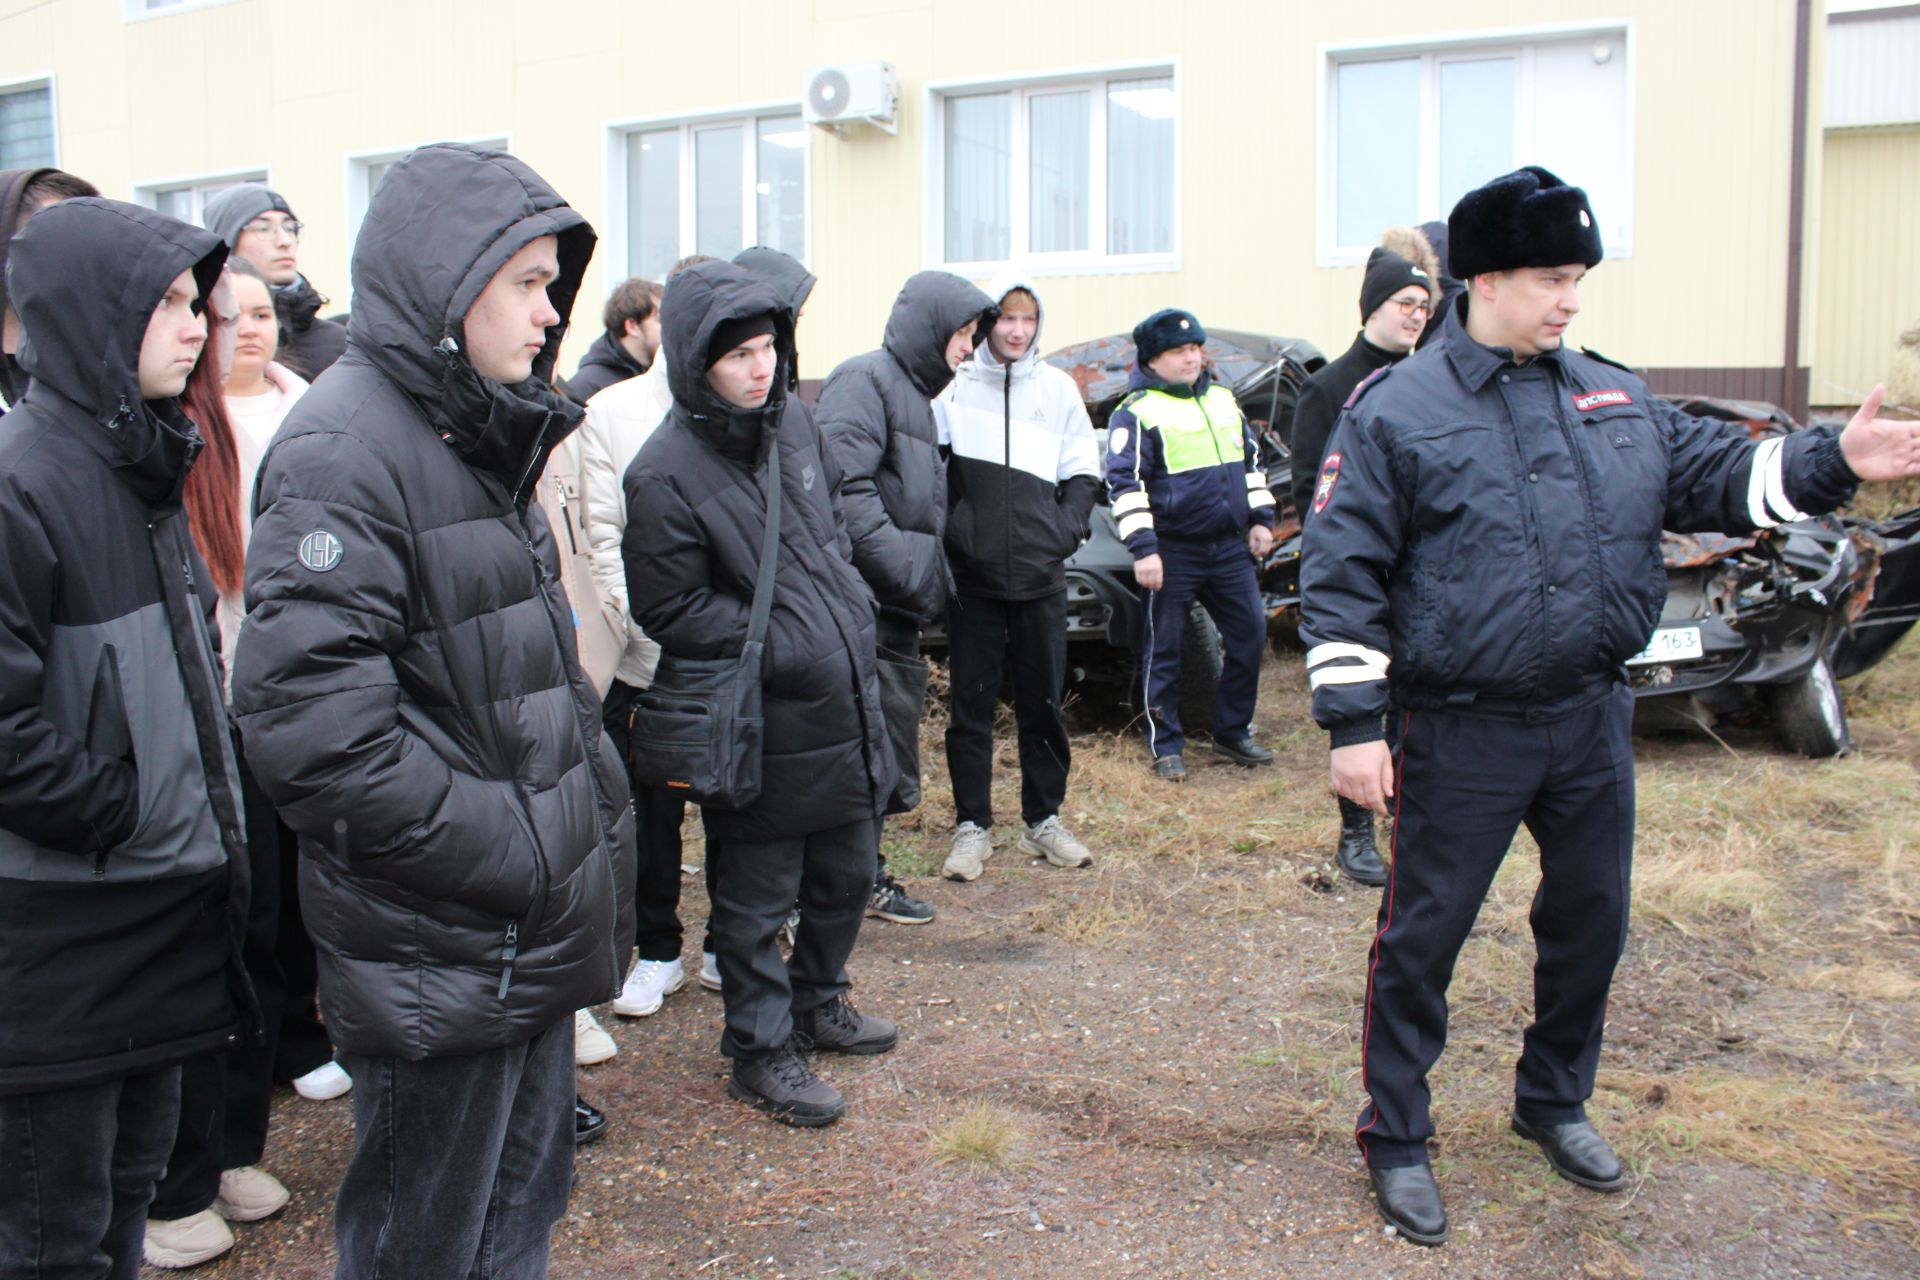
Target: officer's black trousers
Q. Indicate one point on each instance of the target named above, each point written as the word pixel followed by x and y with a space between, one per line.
pixel 1029 638
pixel 1464 784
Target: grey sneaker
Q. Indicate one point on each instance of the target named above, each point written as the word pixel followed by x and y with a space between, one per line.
pixel 971 849
pixel 1051 840
pixel 783 1085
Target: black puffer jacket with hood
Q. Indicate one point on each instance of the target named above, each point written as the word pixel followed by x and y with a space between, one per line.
pixel 406 680
pixel 696 512
pixel 877 412
pixel 123 869
pixel 605 363
pixel 792 285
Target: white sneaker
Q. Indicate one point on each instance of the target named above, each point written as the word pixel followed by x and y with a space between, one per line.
pixel 174 1243
pixel 709 971
pixel 1051 840
pixel 971 849
pixel 591 1043
pixel 323 1082
pixel 249 1194
pixel 651 982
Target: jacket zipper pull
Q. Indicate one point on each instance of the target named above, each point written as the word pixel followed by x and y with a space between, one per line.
pixel 566 515
pixel 100 864
pixel 123 414
pixel 507 954
pixel 186 567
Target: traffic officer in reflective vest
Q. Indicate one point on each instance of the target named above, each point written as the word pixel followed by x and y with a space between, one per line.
pixel 1191 502
pixel 1483 558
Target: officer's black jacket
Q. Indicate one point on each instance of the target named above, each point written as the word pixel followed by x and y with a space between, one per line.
pixel 1489 533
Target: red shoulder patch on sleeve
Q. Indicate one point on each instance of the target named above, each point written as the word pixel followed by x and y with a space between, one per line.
pixel 1323 489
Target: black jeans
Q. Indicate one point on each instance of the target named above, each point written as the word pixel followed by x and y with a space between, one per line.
pixel 302 1043
pixel 657 817
pixel 1464 784
pixel 1219 575
pixel 461 1165
pixel 77 1168
pixel 831 874
pixel 224 1096
pixel 985 636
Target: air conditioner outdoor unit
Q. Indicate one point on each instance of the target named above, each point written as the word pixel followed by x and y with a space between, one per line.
pixel 852 93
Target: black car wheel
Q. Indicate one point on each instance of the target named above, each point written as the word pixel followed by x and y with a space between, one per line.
pixel 1809 714
pixel 1200 659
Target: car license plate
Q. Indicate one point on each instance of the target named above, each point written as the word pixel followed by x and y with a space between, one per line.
pixel 1670 644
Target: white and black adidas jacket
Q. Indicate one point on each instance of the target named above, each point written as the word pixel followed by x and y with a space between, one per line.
pixel 1023 469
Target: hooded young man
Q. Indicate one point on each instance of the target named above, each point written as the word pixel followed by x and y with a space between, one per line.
pixel 1484 559
pixel 123 869
pixel 876 410
pixel 408 688
pixel 23 193
pixel 1396 297
pixel 1192 504
pixel 259 225
pixel 1023 471
pixel 697 498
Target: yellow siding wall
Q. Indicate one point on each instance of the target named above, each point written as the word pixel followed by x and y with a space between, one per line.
pixel 301 84
pixel 1870 259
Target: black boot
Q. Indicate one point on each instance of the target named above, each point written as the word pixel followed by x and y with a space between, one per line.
pixel 1358 856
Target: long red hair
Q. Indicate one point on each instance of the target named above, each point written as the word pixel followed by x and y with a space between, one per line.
pixel 212 495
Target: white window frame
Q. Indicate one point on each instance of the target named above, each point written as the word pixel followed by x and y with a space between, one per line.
pixel 1432 50
pixel 40 80
pixel 358 196
pixel 1079 262
pixel 620 265
pixel 137 11
pixel 147 190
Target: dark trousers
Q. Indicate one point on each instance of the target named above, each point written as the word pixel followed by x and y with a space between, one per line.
pixel 902 676
pixel 1464 785
pixel 1219 575
pixel 984 638
pixel 77 1168
pixel 224 1096
pixel 830 873
pixel 461 1165
pixel 302 1044
pixel 657 818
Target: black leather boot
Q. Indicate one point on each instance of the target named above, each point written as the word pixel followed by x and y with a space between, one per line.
pixel 1358 856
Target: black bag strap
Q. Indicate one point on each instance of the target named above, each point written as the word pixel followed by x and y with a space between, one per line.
pixel 769 550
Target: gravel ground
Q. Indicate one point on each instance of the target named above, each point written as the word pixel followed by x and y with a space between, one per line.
pixel 1169 1036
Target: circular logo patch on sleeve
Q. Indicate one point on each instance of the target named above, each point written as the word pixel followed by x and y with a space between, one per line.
pixel 320 551
pixel 1323 490
pixel 1117 440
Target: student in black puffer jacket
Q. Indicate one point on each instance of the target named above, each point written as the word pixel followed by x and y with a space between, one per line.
pixel 696 514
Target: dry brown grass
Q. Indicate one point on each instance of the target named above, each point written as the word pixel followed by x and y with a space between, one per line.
pixel 983 1137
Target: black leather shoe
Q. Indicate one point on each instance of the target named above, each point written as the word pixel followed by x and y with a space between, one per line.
pixel 1357 855
pixel 1172 767
pixel 1577 1153
pixel 1410 1202
pixel 1246 753
pixel 588 1121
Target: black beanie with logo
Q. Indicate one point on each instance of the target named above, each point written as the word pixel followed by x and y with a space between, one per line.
pixel 1387 274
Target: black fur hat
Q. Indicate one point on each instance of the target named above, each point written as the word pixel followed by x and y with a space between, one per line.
pixel 1163 331
pixel 1527 218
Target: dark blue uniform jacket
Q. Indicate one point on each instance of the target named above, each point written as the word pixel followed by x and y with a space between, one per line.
pixel 1487 535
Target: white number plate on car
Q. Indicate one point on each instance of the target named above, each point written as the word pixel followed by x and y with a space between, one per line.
pixel 1670 644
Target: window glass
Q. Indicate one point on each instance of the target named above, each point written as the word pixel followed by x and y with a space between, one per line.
pixel 781 192
pixel 653 202
pixel 718 168
pixel 979 163
pixel 1060 168
pixel 1476 124
pixel 1140 176
pixel 1378 146
pixel 26 128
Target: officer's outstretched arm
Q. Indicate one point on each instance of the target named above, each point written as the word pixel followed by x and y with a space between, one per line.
pixel 1720 480
pixel 1354 541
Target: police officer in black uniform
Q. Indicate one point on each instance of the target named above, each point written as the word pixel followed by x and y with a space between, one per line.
pixel 1485 558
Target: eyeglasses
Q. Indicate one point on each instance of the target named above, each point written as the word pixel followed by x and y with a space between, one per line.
pixel 1412 306
pixel 262 226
